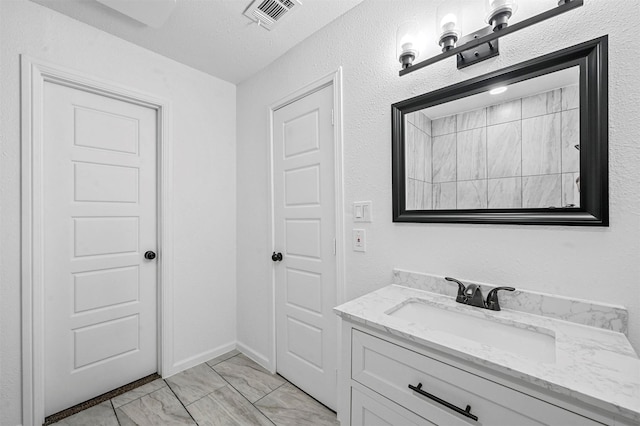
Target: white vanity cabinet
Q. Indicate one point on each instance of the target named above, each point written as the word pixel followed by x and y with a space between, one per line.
pixel 378 369
pixel 369 409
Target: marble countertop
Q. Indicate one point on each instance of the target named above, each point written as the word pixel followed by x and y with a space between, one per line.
pixel 593 365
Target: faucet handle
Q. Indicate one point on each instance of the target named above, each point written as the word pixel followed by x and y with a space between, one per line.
pixel 492 298
pixel 461 289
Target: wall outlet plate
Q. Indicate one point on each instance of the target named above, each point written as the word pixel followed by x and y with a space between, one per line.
pixel 359 240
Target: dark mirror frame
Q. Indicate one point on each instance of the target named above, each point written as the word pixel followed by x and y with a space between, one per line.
pixel 591 57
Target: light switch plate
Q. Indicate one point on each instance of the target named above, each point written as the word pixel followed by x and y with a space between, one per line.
pixel 363 211
pixel 359 240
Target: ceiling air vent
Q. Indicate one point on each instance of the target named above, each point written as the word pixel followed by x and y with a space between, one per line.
pixel 268 13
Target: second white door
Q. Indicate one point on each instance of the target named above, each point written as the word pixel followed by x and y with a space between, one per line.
pixel 304 223
pixel 99 170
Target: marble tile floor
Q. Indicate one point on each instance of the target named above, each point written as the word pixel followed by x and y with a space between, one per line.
pixel 228 390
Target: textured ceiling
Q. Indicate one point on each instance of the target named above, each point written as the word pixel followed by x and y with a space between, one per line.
pixel 211 35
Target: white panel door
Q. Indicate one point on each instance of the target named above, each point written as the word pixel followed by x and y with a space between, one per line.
pixel 99 164
pixel 304 221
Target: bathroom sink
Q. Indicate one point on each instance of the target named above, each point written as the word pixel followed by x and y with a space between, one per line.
pixel 535 343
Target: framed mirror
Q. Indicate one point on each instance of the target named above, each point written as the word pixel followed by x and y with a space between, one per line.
pixel 524 145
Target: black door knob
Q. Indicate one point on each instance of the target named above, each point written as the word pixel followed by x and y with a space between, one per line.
pixel 149 255
pixel 276 257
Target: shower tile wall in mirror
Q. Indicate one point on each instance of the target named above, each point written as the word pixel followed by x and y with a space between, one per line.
pixel 517 149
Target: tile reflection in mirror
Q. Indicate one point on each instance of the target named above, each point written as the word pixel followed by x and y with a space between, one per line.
pixel 471 120
pixel 420 120
pixel 444 158
pixel 518 149
pixel 443 126
pixel 570 141
pixel 427 196
pixel 505 193
pixel 472 194
pixel 541 145
pixel 504 112
pixel 542 104
pixel 410 191
pixel 418 161
pixel 472 154
pixel 444 196
pixel 570 97
pixel 541 191
pixel 419 195
pixel 410 151
pixel 504 150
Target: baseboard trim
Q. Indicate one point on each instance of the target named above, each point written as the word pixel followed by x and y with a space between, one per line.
pixel 262 360
pixel 187 363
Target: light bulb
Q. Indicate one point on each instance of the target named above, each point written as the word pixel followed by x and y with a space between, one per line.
pixel 498 90
pixel 494 4
pixel 408 38
pixel 448 17
pixel 406 47
pixel 406 42
pixel 449 22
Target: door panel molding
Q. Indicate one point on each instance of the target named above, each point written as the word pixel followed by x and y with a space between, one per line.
pixel 333 79
pixel 34 74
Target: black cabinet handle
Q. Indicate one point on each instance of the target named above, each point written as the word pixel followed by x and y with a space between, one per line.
pixel 466 412
pixel 276 257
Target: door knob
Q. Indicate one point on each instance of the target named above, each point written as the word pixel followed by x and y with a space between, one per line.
pixel 149 255
pixel 276 257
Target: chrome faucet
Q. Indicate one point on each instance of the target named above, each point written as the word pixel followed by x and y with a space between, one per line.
pixel 472 295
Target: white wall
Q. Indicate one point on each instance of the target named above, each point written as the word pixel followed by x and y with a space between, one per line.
pixel 601 264
pixel 203 125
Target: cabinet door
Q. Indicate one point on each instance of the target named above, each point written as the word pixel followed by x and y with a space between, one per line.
pixel 388 369
pixel 370 409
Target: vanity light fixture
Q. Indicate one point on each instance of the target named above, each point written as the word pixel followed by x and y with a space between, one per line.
pixel 498 90
pixel 478 45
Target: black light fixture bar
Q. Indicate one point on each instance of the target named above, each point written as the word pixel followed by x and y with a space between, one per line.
pixel 570 5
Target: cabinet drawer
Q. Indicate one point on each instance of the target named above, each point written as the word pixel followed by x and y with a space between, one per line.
pixel 389 369
pixel 371 409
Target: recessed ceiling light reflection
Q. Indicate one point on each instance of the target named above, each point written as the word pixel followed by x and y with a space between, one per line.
pixel 498 90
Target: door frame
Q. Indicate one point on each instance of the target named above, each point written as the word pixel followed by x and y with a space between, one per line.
pixel 333 79
pixel 34 74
